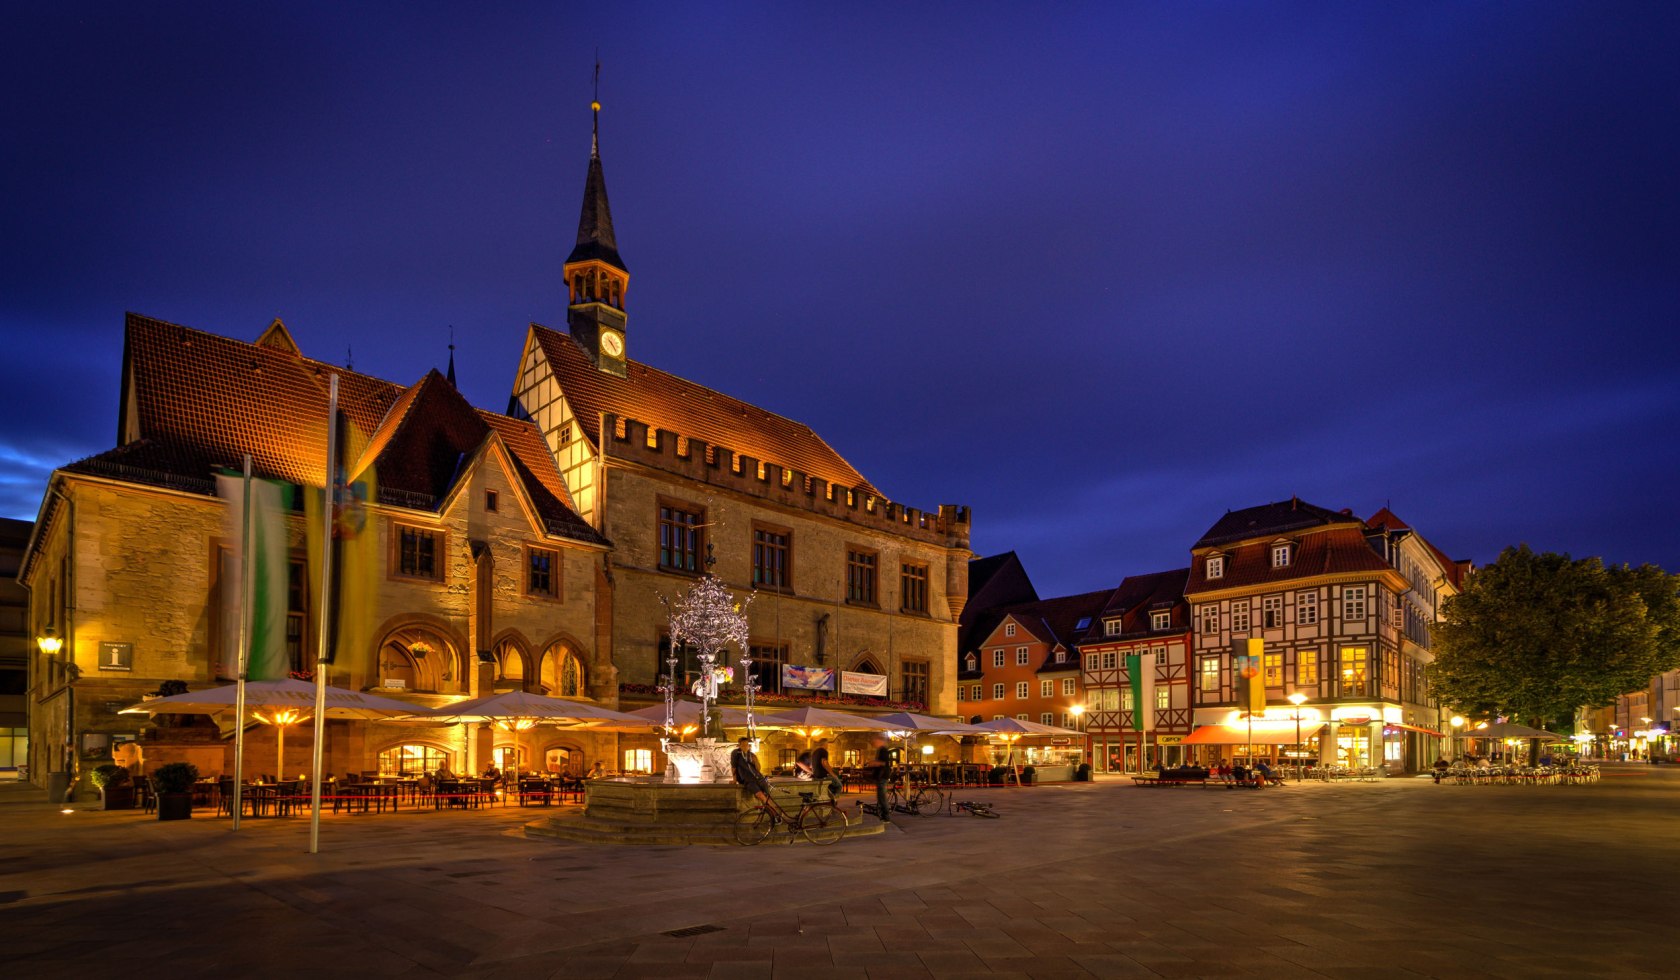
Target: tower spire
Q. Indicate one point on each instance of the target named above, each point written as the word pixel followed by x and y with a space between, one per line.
pixel 595 113
pixel 596 279
pixel 452 356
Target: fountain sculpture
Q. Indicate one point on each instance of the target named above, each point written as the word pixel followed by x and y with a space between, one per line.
pixel 706 619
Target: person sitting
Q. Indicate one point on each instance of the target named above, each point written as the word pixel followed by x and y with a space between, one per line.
pixel 443 772
pixel 492 773
pixel 1440 767
pixel 596 771
pixel 802 765
pixel 744 765
pixel 1263 771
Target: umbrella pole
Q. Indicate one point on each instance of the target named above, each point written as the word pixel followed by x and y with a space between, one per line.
pixel 329 495
pixel 280 753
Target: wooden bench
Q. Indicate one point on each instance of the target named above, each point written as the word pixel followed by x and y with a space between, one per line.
pixel 1171 778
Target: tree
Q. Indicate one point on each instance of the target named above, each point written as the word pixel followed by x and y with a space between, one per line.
pixel 1536 636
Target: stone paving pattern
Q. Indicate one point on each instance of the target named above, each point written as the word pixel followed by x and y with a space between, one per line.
pixel 1394 879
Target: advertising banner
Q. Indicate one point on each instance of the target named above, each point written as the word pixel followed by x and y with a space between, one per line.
pixel 807 678
pixel 852 682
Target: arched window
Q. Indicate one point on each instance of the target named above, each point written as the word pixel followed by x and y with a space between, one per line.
pixel 867 665
pixel 562 673
pixel 564 758
pixel 511 758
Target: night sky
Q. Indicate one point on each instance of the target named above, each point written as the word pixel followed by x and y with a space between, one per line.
pixel 1102 272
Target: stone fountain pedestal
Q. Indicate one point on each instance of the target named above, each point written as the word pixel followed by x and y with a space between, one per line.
pixel 654 810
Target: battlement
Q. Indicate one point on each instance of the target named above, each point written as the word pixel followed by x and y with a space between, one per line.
pixel 636 442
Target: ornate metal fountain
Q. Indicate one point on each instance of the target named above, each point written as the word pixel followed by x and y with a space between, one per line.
pixel 707 619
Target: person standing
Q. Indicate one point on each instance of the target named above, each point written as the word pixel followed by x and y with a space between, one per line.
pixel 823 771
pixel 883 772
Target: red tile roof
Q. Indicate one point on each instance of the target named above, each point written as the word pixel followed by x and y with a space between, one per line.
pixel 1387 518
pixel 200 402
pixel 1052 622
pixel 672 404
pixel 1331 550
pixel 1137 597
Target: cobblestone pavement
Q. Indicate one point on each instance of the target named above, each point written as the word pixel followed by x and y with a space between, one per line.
pixel 1400 878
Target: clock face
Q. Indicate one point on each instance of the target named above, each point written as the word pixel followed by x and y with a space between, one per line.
pixel 612 342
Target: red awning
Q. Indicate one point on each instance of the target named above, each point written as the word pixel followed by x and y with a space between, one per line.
pixel 1411 728
pixel 1264 733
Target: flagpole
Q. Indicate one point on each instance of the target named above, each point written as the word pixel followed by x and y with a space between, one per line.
pixel 244 664
pixel 328 504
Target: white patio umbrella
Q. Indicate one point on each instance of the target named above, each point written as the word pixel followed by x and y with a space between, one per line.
pixel 538 708
pixel 277 703
pixel 837 721
pixel 909 721
pixel 1015 726
pixel 1011 730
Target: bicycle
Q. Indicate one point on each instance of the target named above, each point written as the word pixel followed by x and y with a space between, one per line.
pixel 976 808
pixel 820 822
pixel 925 800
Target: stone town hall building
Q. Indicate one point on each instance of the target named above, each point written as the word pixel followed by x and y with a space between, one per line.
pixel 524 550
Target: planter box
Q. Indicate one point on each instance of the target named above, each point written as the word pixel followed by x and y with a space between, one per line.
pixel 118 797
pixel 174 806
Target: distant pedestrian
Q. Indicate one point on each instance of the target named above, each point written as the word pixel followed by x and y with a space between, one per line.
pixel 881 769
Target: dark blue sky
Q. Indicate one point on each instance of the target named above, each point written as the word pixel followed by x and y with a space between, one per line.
pixel 1102 272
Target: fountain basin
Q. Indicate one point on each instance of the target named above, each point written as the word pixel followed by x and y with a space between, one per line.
pixel 655 810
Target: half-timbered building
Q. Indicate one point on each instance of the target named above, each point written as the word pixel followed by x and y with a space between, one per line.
pixel 1134 723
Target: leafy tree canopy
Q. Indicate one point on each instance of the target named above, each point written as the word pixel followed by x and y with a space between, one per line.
pixel 1535 636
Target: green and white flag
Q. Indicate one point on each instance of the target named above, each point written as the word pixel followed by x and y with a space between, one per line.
pixel 1140 674
pixel 270 503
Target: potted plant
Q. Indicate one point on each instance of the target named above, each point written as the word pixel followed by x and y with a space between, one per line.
pixel 1028 775
pixel 174 783
pixel 114 786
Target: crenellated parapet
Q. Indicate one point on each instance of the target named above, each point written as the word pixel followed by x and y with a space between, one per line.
pixel 636 442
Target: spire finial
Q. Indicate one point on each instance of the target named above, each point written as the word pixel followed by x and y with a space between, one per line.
pixel 452 356
pixel 595 110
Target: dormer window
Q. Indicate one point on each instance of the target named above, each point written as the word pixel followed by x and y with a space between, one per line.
pixel 1160 620
pixel 973 662
pixel 1111 627
pixel 1280 555
pixel 1216 566
pixel 1061 656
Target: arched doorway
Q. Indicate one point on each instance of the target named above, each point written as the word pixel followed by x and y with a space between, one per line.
pixel 563 757
pixel 420 659
pixel 561 672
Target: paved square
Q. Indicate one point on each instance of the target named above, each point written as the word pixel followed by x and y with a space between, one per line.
pixel 1400 878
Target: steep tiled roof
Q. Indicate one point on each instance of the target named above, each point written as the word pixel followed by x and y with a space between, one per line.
pixel 1388 519
pixel 670 403
pixel 1324 551
pixel 200 402
pixel 1136 599
pixel 1280 518
pixel 1051 621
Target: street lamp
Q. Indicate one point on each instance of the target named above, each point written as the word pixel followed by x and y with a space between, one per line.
pixel 49 642
pixel 1457 723
pixel 1078 712
pixel 1297 699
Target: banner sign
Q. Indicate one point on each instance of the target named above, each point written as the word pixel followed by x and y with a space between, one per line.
pixel 1251 690
pixel 852 682
pixel 808 678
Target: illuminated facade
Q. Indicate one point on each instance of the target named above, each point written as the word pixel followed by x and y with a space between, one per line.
pixel 1146 617
pixel 1343 608
pixel 465 570
pixel 676 474
pixel 1023 663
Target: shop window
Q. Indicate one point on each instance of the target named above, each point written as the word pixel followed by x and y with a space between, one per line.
pixel 638 760
pixel 412 760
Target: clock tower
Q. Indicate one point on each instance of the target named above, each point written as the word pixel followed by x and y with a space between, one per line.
pixel 596 279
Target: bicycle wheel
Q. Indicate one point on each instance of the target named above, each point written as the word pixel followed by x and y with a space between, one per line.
pixel 928 801
pixel 987 812
pixel 824 824
pixel 752 826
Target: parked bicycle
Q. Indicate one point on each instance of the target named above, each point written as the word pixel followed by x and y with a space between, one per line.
pixel 976 808
pixel 818 821
pixel 919 799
